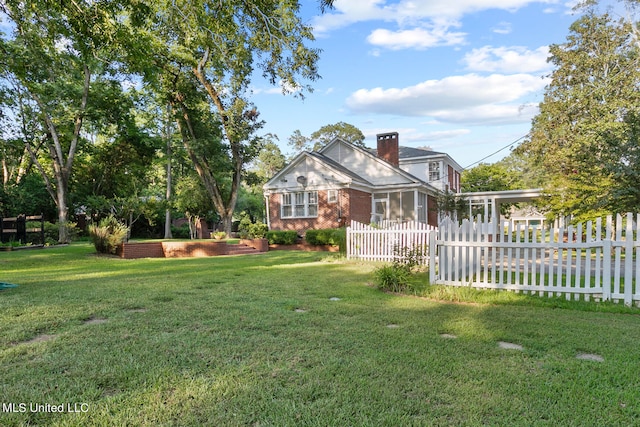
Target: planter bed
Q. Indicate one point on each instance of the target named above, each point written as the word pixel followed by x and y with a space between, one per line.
pixel 304 247
pixel 196 248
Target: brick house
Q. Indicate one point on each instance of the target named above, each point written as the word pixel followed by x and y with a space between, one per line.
pixel 341 182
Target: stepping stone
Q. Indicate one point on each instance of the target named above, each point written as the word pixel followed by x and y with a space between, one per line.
pixel 300 310
pixel 40 338
pixel 137 310
pixel 392 326
pixel 334 299
pixel 95 321
pixel 509 346
pixel 588 356
pixel 449 336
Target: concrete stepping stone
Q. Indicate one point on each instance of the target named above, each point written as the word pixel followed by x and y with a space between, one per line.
pixel 589 356
pixel 449 336
pixel 510 346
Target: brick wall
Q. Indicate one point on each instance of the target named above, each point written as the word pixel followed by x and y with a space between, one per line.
pixel 357 205
pixel 353 204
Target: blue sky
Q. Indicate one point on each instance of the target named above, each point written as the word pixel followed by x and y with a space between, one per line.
pixel 461 76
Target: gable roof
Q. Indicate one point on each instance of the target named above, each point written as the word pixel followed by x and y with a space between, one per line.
pixel 337 167
pixel 342 169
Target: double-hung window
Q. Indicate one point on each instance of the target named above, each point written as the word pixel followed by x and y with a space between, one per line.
pixel 300 205
pixel 434 171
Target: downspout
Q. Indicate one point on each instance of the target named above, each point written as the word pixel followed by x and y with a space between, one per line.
pixel 266 202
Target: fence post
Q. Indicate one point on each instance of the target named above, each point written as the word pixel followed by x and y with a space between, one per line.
pixel 432 257
pixel 21 229
pixel 349 242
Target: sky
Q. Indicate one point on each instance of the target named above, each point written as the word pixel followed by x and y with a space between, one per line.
pixel 463 77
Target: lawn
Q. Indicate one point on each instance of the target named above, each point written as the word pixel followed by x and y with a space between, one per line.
pixel 292 338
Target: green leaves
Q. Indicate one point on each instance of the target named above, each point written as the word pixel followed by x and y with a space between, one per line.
pixel 584 136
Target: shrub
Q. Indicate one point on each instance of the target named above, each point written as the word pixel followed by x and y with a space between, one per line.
pixel 392 278
pixel 396 277
pixel 181 232
pixel 282 237
pixel 328 236
pixel 108 234
pixel 258 230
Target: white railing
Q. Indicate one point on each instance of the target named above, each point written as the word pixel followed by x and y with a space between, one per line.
pixel 585 261
pixel 376 243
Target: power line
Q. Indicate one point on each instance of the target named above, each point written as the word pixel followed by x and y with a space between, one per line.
pixel 496 152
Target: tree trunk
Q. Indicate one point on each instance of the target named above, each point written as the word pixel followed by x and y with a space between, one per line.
pixel 167 215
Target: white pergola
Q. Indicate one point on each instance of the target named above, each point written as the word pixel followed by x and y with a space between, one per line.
pixel 489 201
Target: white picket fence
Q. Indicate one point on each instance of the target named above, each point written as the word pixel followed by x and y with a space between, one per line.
pixel 593 260
pixel 590 260
pixel 386 243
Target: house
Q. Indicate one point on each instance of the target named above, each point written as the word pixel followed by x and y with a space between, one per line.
pixel 341 182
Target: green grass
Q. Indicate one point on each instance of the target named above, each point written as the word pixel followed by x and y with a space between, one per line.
pixel 257 341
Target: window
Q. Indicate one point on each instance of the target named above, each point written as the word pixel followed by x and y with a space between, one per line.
pixel 300 205
pixel 434 171
pixel 332 196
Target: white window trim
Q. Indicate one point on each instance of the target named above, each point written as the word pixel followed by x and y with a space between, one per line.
pixel 306 204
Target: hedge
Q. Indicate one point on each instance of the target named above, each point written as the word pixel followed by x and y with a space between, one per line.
pixel 289 237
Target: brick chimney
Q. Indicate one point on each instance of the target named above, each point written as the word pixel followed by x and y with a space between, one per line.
pixel 388 147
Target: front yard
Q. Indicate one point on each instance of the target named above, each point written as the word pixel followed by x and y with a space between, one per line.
pixel 291 338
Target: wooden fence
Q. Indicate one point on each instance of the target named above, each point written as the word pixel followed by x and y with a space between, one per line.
pixel 592 260
pixel 18 228
pixel 387 242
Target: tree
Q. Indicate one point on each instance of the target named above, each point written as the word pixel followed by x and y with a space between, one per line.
pixel 326 134
pixel 487 177
pixel 205 54
pixel 55 54
pixel 585 137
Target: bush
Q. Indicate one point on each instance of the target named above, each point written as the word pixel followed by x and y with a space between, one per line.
pixel 258 230
pixel 392 278
pixel 250 230
pixel 396 277
pixel 282 237
pixel 181 232
pixel 108 234
pixel 328 236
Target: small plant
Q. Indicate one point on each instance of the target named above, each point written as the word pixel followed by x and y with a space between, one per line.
pixel 397 276
pixel 219 235
pixel 108 234
pixel 392 278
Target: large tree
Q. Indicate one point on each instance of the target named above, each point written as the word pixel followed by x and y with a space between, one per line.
pixel 326 134
pixel 206 53
pixel 585 137
pixel 56 54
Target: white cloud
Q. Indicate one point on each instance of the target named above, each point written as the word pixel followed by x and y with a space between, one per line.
pixel 514 59
pixel 419 38
pixel 502 28
pixel 408 12
pixel 469 98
